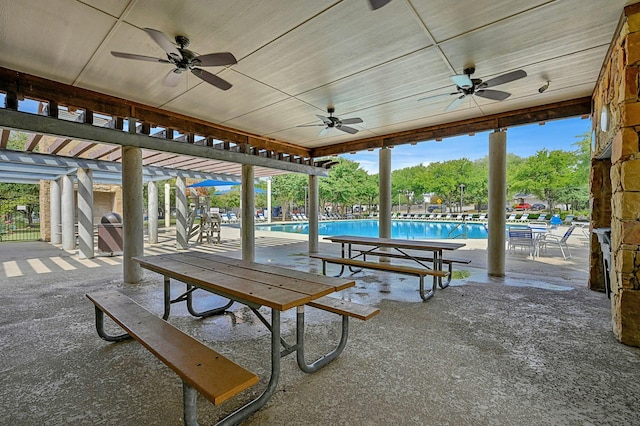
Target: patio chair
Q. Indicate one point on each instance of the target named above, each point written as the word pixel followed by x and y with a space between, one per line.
pixel 521 237
pixel 568 219
pixel 558 241
pixel 541 217
pixel 512 217
pixel 438 216
pixel 523 218
pixel 431 216
pixel 459 217
pixel 232 217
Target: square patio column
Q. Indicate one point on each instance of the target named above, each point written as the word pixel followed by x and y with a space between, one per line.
pixel 132 213
pixel 68 214
pixel 313 214
pixel 167 205
pixel 55 211
pixel 152 212
pixel 86 248
pixel 497 203
pixel 247 201
pixel 181 213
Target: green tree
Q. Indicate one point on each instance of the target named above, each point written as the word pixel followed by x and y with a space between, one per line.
pixel 14 194
pixel 286 189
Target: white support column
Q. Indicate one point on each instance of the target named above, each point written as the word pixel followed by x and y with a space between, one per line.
pixel 497 203
pixel 269 200
pixel 152 211
pixel 86 248
pixel 181 213
pixel 68 214
pixel 247 200
pixel 55 211
pixel 384 221
pixel 313 214
pixel 132 209
pixel 167 205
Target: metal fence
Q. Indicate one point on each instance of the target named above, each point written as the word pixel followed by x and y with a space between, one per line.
pixel 20 219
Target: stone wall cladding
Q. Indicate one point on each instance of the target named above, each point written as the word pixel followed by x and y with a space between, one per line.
pixel 618 88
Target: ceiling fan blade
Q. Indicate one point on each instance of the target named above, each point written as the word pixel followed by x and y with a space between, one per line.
pixel 504 78
pixel 212 79
pixel 325 120
pixel 172 79
pixel 434 97
pixel 324 131
pixel 163 41
pixel 377 4
pixel 347 129
pixel 311 125
pixel 462 80
pixel 138 57
pixel 217 59
pixel 457 101
pixel 496 95
pixel 352 121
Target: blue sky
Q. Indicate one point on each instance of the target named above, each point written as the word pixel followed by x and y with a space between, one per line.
pixel 523 141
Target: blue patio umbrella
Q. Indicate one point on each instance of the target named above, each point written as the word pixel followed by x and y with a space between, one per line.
pixel 255 190
pixel 211 182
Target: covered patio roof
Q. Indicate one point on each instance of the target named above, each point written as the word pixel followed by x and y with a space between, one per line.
pixel 299 59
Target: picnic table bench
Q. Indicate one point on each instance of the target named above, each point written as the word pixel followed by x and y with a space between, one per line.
pixel 201 369
pixel 400 249
pixel 401 269
pixel 252 284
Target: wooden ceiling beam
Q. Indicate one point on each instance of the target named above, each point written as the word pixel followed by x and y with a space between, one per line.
pixel 26 85
pixel 32 142
pixel 4 138
pixel 572 108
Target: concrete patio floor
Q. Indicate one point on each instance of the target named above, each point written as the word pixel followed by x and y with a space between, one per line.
pixel 533 348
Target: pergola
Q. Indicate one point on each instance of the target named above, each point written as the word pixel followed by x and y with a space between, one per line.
pixel 294 60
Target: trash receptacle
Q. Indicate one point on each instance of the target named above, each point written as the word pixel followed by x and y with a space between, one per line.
pixel 110 234
pixel 604 238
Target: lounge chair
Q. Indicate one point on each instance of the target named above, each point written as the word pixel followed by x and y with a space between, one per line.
pixel 459 217
pixel 541 217
pixel 512 217
pixel 438 216
pixel 303 217
pixel 523 218
pixel 448 216
pixel 568 219
pixel 561 242
pixel 431 216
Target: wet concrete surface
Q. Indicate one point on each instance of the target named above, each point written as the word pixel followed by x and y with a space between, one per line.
pixel 535 347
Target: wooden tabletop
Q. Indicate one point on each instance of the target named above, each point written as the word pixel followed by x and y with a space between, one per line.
pixel 394 242
pixel 273 286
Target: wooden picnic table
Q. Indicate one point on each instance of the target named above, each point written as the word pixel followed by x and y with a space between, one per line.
pixel 255 285
pixel 401 248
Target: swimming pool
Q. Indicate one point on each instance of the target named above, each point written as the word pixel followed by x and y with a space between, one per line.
pixel 406 229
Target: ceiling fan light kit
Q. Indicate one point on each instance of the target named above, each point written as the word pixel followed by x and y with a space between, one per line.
pixel 467 86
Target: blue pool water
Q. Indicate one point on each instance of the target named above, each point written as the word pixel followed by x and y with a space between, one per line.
pixel 405 229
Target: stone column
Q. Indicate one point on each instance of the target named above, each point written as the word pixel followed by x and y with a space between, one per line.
pixel 313 214
pixel 68 214
pixel 616 120
pixel 248 214
pixel 167 205
pixel 85 214
pixel 152 211
pixel 497 202
pixel 600 218
pixel 384 221
pixel 132 213
pixel 181 213
pixel 55 211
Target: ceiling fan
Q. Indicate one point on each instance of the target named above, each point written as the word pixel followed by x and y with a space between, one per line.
pixel 332 122
pixel 467 86
pixel 377 4
pixel 184 60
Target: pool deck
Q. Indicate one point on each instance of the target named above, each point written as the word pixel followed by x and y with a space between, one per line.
pixel 534 347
